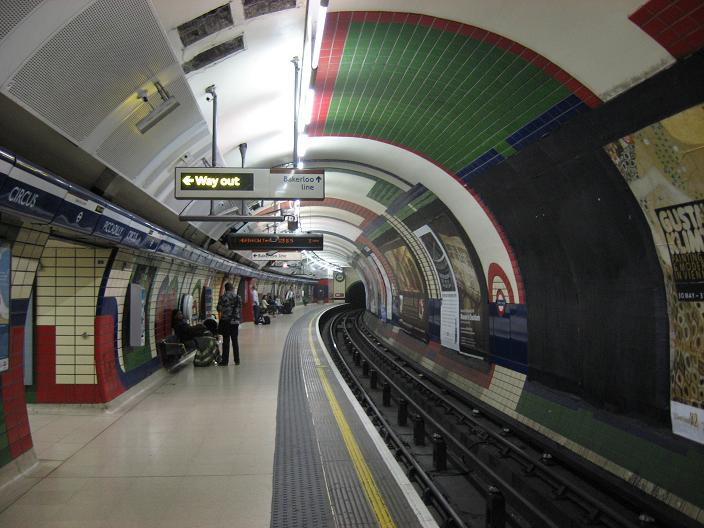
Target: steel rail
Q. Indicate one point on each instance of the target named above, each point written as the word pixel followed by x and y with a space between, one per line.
pixel 562 485
pixel 521 504
pixel 430 490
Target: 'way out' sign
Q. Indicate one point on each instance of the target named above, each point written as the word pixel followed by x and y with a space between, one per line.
pixel 225 183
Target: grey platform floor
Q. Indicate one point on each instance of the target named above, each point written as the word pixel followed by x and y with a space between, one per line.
pixel 197 451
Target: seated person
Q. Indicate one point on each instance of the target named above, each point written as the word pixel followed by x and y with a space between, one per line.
pixel 206 345
pixel 211 324
pixel 277 302
pixel 272 307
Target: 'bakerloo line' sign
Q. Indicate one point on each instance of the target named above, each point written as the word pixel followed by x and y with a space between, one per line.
pixel 227 183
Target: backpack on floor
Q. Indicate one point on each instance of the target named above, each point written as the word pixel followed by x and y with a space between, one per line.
pixel 266 319
pixel 206 352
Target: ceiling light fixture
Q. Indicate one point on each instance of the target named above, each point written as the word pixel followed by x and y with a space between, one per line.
pixel 308 107
pixel 319 30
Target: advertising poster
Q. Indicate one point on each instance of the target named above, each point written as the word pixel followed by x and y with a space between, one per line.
pixel 5 266
pixel 683 228
pixel 430 215
pixel 386 313
pixel 473 328
pixel 663 165
pixel 450 307
pixel 412 298
pixel 371 284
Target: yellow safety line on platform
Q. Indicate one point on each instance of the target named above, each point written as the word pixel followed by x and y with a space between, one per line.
pixel 376 502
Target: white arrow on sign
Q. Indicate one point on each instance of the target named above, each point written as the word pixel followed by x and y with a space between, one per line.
pixel 187 180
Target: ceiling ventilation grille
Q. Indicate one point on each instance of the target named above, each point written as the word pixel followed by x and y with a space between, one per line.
pixel 128 151
pixel 255 8
pixel 206 24
pixel 214 54
pixel 92 65
pixel 12 12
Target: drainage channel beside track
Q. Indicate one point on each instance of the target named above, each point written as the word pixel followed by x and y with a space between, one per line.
pixel 470 464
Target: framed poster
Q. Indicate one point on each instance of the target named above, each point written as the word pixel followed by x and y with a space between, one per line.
pixel 5 269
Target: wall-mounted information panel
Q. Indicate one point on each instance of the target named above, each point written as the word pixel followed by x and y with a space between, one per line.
pixel 275 242
pixel 225 183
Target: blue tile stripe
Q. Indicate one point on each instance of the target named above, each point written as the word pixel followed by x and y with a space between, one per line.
pixel 479 165
pixel 539 127
pixel 402 200
pixel 546 122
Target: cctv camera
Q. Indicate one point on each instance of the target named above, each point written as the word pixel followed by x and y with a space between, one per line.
pixel 143 94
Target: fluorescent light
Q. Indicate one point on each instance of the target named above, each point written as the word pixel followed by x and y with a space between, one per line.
pixel 319 30
pixel 300 164
pixel 302 144
pixel 307 108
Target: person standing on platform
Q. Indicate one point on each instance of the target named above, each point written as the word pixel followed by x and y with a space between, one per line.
pixel 229 306
pixel 255 304
pixel 291 297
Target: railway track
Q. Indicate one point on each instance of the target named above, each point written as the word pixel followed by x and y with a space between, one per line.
pixel 469 461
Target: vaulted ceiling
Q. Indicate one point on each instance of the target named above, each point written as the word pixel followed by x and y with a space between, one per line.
pixel 406 92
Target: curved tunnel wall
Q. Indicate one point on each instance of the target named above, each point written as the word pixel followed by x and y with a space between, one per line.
pixel 597 316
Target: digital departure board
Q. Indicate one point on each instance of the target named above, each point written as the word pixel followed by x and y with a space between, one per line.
pixel 275 242
pixel 216 181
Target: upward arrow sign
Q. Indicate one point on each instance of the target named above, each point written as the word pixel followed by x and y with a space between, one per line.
pixel 318 179
pixel 187 180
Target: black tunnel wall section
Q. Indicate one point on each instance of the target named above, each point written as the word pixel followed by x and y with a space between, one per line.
pixel 356 295
pixel 597 314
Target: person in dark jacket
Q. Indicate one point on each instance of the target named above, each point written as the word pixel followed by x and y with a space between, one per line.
pixel 229 306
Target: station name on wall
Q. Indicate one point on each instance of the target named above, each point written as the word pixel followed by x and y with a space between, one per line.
pixel 23 197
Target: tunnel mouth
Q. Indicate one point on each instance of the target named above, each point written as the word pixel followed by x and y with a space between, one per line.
pixel 356 295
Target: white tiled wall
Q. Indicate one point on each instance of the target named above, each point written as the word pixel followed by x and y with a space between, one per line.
pixel 68 281
pixel 26 252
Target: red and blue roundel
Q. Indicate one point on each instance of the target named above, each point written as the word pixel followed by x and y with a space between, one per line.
pixel 500 302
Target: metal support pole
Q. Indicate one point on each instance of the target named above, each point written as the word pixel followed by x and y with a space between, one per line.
pixel 495 509
pixel 418 430
pixel 296 69
pixel 439 452
pixel 213 155
pixel 402 416
pixel 373 378
pixel 386 395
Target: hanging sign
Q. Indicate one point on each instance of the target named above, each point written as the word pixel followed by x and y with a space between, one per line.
pixel 287 242
pixel 225 183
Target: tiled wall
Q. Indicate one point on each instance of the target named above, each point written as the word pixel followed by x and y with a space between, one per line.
pixel 80 295
pixel 116 288
pixel 631 454
pixel 68 282
pixel 27 245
